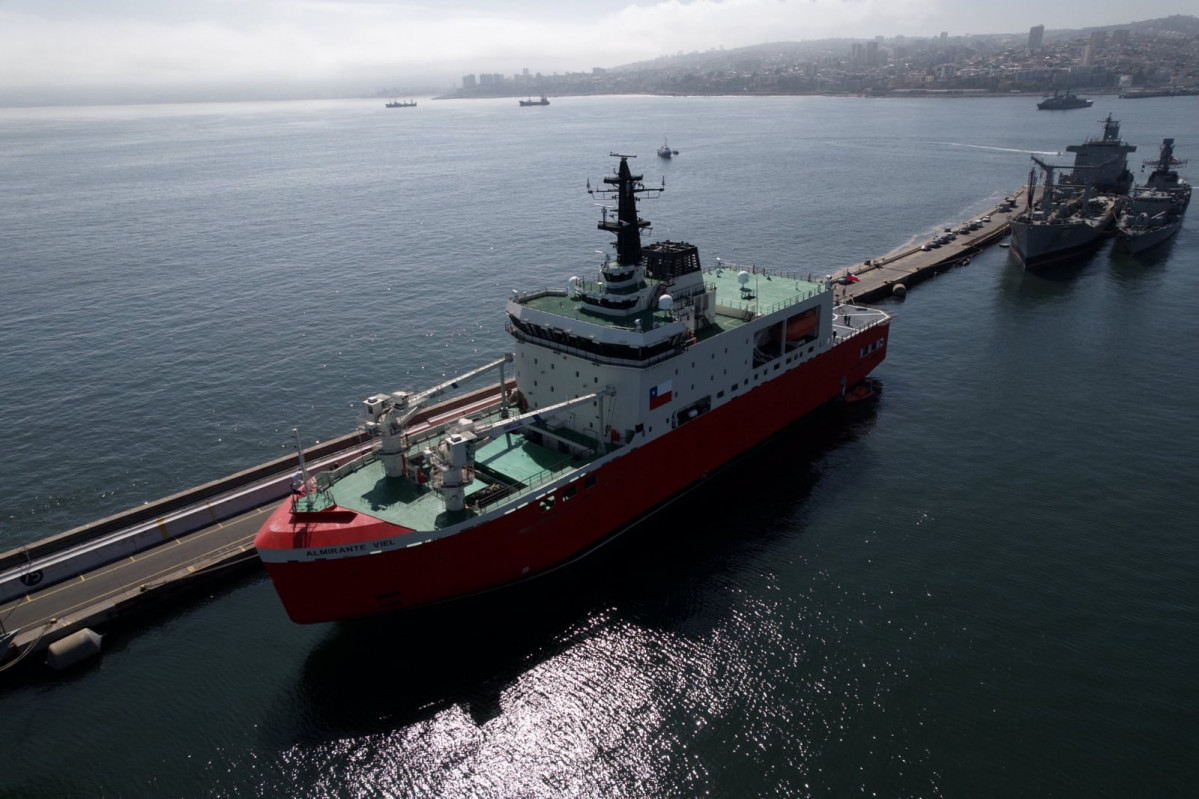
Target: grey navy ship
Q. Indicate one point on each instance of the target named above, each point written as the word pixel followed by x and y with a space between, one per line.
pixel 1154 210
pixel 1063 102
pixel 1070 216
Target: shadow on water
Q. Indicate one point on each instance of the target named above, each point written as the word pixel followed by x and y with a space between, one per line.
pixel 1052 283
pixel 1132 265
pixel 378 674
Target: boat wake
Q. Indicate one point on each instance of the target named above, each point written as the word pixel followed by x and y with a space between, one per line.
pixel 999 149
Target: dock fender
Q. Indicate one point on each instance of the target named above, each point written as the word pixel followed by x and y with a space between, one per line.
pixel 75 648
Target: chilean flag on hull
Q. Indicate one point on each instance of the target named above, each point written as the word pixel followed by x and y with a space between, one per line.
pixel 659 395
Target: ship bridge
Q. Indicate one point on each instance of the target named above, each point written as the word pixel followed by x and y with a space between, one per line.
pixel 561 320
pixel 647 303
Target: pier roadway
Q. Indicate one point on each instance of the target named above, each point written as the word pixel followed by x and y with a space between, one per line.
pixel 904 266
pixel 108 592
pixel 107 582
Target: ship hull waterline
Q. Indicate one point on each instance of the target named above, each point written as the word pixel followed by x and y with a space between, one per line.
pixel 1142 240
pixel 1038 245
pixel 532 540
pixel 1044 259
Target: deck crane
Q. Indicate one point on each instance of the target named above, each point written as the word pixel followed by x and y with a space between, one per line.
pixel 452 462
pixel 388 415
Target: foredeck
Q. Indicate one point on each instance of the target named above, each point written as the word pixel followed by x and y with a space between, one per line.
pixel 508 467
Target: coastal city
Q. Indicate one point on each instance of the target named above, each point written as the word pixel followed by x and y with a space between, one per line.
pixel 1154 56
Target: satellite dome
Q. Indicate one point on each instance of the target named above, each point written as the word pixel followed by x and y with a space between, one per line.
pixel 665 302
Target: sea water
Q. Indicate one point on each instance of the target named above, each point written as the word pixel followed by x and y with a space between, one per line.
pixel 980 584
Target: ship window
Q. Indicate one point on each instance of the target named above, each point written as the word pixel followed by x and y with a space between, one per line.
pixel 589 481
pixel 776 368
pixel 569 491
pixel 576 374
pixel 734 387
pixel 719 394
pixel 747 381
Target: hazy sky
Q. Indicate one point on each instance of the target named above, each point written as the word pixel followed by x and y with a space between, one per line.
pixel 377 43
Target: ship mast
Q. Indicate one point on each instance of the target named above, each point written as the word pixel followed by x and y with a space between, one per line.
pixel 1166 161
pixel 627 225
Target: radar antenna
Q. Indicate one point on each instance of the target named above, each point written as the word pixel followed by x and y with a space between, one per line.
pixel 624 187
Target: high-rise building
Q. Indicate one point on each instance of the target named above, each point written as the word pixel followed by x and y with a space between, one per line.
pixel 872 54
pixel 1035 35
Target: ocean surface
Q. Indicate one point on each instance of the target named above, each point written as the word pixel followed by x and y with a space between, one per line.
pixel 983 584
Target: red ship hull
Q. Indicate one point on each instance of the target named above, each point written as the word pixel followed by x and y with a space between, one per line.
pixel 533 540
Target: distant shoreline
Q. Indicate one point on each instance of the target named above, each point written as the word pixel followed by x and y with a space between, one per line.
pixel 897 94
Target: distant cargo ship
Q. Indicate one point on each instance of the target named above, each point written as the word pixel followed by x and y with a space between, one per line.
pixel 531 101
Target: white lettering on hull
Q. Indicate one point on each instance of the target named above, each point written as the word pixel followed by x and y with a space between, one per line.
pixel 349 549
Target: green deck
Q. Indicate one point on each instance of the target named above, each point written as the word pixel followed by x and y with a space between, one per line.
pixel 512 459
pixel 765 293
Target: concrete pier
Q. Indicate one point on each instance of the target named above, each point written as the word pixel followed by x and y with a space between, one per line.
pixel 905 266
pixel 109 569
